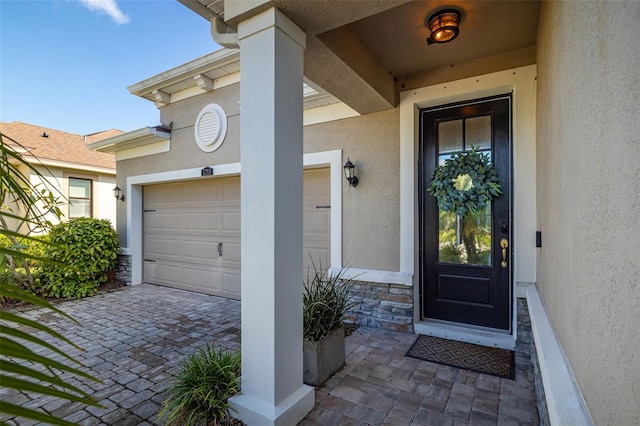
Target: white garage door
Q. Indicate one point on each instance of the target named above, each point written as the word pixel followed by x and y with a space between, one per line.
pixel 192 232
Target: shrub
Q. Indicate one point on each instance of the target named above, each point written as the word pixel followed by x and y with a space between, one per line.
pixel 199 393
pixel 325 301
pixel 9 278
pixel 34 250
pixel 90 246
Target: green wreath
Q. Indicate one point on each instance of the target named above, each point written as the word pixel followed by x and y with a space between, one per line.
pixel 465 183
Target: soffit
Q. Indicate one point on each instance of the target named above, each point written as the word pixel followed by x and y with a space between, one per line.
pixel 134 139
pixel 357 50
pixel 206 8
pixel 397 37
pixel 215 66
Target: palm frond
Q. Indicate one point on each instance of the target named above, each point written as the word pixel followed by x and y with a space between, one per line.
pixel 27 368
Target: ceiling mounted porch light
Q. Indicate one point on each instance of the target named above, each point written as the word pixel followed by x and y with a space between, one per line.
pixel 444 26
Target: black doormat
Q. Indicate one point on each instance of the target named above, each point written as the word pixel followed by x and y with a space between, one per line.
pixel 467 356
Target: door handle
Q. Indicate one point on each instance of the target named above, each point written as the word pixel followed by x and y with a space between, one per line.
pixel 504 243
pixel 219 249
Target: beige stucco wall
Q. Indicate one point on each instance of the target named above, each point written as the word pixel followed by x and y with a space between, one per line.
pixel 371 211
pixel 485 65
pixel 371 141
pixel 588 198
pixel 184 153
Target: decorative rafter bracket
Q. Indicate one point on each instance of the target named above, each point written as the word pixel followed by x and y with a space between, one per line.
pixel 161 98
pixel 204 82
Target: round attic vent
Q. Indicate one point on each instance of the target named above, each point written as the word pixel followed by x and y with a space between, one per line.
pixel 211 127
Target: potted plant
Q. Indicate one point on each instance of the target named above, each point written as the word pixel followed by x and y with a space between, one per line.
pixel 326 299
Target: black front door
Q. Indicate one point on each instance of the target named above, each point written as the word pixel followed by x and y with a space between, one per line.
pixel 466 261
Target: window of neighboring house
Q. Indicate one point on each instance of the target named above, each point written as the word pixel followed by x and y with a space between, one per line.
pixel 80 199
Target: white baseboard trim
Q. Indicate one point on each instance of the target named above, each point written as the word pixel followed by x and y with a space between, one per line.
pixel 564 400
pixel 375 276
pixel 521 288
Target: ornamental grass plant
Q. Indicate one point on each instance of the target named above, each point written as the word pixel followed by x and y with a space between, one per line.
pixel 199 393
pixel 326 299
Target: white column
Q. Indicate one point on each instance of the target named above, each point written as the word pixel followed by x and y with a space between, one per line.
pixel 271 54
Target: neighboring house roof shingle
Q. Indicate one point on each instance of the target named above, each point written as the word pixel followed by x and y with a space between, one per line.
pixel 56 145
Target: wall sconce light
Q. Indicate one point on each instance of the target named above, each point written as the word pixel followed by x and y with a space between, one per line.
pixel 348 173
pixel 117 192
pixel 444 26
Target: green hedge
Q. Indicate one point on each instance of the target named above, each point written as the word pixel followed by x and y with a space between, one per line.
pixel 90 246
pixel 18 276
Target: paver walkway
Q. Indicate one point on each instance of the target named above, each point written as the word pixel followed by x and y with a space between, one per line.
pixel 134 339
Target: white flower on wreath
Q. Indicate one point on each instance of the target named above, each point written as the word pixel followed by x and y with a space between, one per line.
pixel 463 182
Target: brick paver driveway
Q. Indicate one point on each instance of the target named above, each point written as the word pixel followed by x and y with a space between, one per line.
pixel 135 338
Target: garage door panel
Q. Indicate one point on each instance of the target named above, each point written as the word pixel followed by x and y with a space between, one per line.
pixel 231 284
pixel 166 273
pixel 231 190
pixel 231 253
pixel 231 221
pixel 162 194
pixel 318 256
pixel 198 191
pixel 200 276
pixel 316 223
pixel 204 221
pixel 166 221
pixel 316 183
pixel 189 220
pixel 200 251
pixel 162 247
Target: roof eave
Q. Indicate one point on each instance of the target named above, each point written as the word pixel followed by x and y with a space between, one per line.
pixel 133 139
pixel 205 63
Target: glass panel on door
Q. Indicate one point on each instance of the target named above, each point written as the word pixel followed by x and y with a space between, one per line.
pixel 464 240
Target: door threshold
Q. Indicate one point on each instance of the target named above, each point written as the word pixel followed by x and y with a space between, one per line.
pixel 466 333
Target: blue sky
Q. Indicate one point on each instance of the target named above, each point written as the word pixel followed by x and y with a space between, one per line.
pixel 66 64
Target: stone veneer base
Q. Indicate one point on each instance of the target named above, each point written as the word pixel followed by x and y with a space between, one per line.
pixel 123 268
pixel 387 306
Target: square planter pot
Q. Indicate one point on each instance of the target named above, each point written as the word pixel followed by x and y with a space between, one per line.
pixel 324 358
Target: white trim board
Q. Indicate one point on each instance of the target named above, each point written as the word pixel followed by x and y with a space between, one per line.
pixel 333 159
pixel 71 166
pixel 328 113
pixel 564 400
pixel 521 82
pixel 374 276
pixel 143 151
